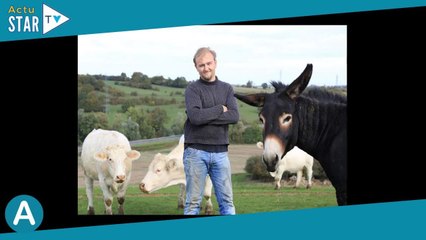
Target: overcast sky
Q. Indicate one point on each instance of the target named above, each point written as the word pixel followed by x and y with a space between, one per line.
pixel 257 53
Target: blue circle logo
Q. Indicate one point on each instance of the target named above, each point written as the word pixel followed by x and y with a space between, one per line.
pixel 24 213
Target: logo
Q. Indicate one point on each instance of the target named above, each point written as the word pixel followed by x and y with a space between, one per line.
pixel 25 19
pixel 24 213
pixel 52 19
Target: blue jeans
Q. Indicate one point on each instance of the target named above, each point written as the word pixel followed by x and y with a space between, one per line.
pixel 198 164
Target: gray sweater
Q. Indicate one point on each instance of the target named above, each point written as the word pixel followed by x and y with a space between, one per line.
pixel 206 122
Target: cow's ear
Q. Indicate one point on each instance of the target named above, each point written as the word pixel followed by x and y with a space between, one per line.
pixel 133 155
pixel 171 164
pixel 100 156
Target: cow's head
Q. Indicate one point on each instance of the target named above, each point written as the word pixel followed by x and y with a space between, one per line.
pixel 277 114
pixel 162 172
pixel 119 161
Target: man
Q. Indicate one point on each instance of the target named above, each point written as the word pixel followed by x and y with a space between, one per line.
pixel 210 108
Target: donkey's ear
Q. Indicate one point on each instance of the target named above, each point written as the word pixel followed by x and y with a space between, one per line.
pixel 256 100
pixel 298 85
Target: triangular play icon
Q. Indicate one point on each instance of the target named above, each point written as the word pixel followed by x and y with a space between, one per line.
pixel 52 18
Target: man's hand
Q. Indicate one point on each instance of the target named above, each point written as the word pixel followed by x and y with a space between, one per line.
pixel 225 109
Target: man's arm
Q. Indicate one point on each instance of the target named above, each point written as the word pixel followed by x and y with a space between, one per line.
pixel 196 114
pixel 230 114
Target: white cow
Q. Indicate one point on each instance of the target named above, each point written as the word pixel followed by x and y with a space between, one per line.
pixel 107 157
pixel 294 162
pixel 167 170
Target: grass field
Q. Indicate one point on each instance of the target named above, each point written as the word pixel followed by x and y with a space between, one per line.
pixel 248 113
pixel 249 197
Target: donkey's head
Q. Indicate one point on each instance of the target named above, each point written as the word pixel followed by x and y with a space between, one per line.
pixel 277 114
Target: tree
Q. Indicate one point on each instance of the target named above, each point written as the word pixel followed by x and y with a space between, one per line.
pixel 123 76
pixel 178 123
pixel 83 91
pixel 92 102
pixel 157 118
pixel 253 133
pixel 130 129
pixel 89 121
pixel 264 85
pixel 180 82
pixel 146 83
pixel 249 84
pixel 136 77
pixel 236 132
pixel 126 105
pixel 159 80
pixel 141 118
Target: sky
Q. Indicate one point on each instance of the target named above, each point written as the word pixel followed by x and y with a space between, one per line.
pixel 257 53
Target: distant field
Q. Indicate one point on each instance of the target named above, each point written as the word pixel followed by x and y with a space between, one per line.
pixel 247 113
pixel 163 90
pixel 244 90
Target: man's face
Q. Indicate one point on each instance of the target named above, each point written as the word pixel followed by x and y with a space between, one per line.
pixel 206 66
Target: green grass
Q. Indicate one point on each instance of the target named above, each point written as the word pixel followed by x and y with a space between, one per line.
pixel 171 110
pixel 163 90
pixel 112 112
pixel 244 90
pixel 163 146
pixel 248 113
pixel 249 197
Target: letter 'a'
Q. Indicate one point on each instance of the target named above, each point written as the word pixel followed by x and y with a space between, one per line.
pixel 20 216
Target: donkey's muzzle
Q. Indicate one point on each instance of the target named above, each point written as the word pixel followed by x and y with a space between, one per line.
pixel 271 164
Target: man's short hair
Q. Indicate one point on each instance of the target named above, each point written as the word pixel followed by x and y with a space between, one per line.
pixel 203 50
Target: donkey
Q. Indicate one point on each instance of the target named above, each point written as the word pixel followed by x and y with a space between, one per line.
pixel 316 122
